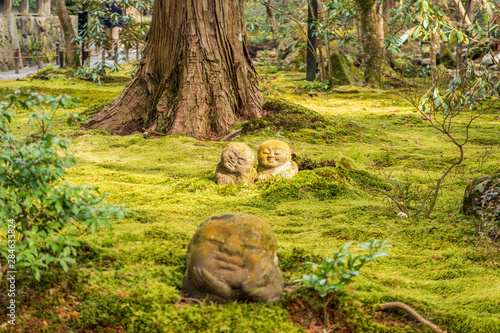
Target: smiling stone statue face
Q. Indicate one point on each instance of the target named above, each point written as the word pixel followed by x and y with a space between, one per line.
pixel 273 154
pixel 233 257
pixel 275 160
pixel 236 165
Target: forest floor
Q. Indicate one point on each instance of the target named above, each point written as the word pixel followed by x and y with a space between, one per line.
pixel 128 279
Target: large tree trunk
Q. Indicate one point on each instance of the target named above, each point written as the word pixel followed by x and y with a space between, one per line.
pixel 196 77
pixel 311 58
pixel 272 23
pixel 371 42
pixel 72 60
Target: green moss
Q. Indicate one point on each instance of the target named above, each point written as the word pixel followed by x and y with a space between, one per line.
pixel 343 70
pixel 446 58
pixel 301 124
pixel 138 266
pixel 283 115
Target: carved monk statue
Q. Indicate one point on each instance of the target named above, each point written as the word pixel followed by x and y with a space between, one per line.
pixel 233 257
pixel 236 165
pixel 275 160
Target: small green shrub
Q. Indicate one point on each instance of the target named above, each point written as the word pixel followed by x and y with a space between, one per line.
pixel 39 210
pixel 332 274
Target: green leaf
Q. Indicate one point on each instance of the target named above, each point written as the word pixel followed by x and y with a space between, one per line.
pixel 37 273
pixel 486 18
pixel 64 265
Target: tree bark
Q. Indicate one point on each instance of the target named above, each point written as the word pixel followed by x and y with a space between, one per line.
pixel 43 7
pixel 381 23
pixel 196 76
pixel 432 54
pixel 273 24
pixel 371 42
pixel 488 8
pixel 7 6
pixel 24 7
pixel 312 16
pixel 72 60
pixel 463 14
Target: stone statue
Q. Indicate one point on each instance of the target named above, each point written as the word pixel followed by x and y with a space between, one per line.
pixel 275 160
pixel 236 165
pixel 233 257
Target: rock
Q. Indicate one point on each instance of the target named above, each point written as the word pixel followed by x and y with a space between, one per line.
pixel 426 61
pixel 404 37
pixel 446 58
pixel 236 165
pixel 275 160
pixel 343 70
pixel 482 193
pixel 293 48
pixel 488 59
pixel 18 32
pixel 233 257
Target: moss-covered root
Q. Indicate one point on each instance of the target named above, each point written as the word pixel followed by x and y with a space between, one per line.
pixel 413 313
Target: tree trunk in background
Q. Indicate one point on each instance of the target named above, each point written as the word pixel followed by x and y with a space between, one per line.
pixel 312 15
pixel 488 8
pixel 196 76
pixel 433 58
pixel 72 60
pixel 463 14
pixel 359 32
pixel 43 8
pixel 273 24
pixel 381 23
pixel 371 42
pixel 7 6
pixel 468 10
pixel 24 7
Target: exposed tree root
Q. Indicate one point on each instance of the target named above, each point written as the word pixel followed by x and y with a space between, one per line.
pixel 389 76
pixel 413 313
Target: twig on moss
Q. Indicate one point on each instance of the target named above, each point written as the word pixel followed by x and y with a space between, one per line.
pixel 413 313
pixel 185 301
pixel 388 195
pixel 231 136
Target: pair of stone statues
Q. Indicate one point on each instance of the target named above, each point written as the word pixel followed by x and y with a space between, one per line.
pixel 237 163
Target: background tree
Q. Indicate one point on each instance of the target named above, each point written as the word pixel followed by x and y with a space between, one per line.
pixel 371 41
pixel 272 23
pixel 312 17
pixel 196 76
pixel 72 59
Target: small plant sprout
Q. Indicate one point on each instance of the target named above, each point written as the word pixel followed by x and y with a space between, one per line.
pixel 332 274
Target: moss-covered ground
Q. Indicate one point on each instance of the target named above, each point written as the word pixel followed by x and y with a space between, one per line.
pixel 128 279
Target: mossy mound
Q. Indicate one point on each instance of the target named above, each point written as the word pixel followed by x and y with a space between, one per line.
pixel 300 123
pixel 446 58
pixel 319 184
pixel 284 115
pixel 305 163
pixel 343 70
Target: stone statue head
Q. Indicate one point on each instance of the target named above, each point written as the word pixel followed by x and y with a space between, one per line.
pixel 233 257
pixel 238 158
pixel 273 154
